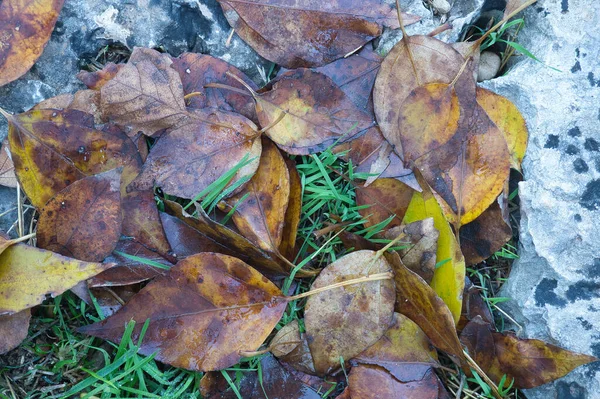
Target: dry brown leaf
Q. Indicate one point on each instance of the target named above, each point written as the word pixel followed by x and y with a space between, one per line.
pixel 7 167
pixel 13 329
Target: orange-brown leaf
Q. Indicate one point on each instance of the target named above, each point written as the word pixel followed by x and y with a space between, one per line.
pixel 13 329
pixel 387 198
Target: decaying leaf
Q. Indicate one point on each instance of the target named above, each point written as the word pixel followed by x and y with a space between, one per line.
pixel 292 214
pixel 314 112
pixel 84 220
pixel 7 167
pixel 416 300
pixel 261 205
pixel 95 80
pixel 449 277
pixel 286 339
pixel 387 198
pixel 186 160
pixel 25 28
pixel 373 382
pixel 111 300
pixel 310 33
pixel 418 248
pixel 344 321
pixel 207 309
pixel 198 70
pixel 28 274
pixel 473 306
pixel 13 329
pixel 52 149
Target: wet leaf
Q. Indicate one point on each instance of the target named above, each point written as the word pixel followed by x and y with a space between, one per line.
pixel 84 100
pixel 261 205
pixel 145 94
pixel 198 70
pixel 388 198
pixel 509 120
pixel 373 382
pixel 404 351
pixel 291 347
pixel 28 274
pixel 344 321
pixel 95 80
pixel 184 161
pixel 202 314
pixel 286 340
pixel 416 300
pixel 7 167
pixel 419 247
pixel 13 330
pixel 449 278
pixel 84 220
pixel 316 113
pixel 311 33
pixel 52 149
pixel 25 28
pixel 292 214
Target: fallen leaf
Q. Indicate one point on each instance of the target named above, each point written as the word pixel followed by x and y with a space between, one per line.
pixel 52 149
pixel 473 306
pixel 419 246
pixel 404 351
pixel 7 167
pixel 314 112
pixel 145 94
pixel 311 33
pixel 207 309
pixel 25 28
pixel 416 300
pixel 261 205
pixel 373 382
pixel 95 80
pixel 387 198
pixel 449 277
pixel 13 330
pixel 111 300
pixel 509 120
pixel 186 160
pixel 286 339
pixel 512 5
pixel 28 275
pixel 83 100
pixel 292 214
pixel 477 337
pixel 198 70
pixel 342 322
pixel 84 220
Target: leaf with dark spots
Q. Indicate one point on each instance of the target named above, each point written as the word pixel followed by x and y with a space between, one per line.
pixel 309 33
pixel 387 198
pixel 292 214
pixel 28 274
pixel 146 94
pixel 473 306
pixel 355 242
pixel 52 149
pixel 25 28
pixel 416 300
pixel 478 339
pixel 13 329
pixel 261 205
pixel 7 167
pixel 485 235
pixel 198 70
pixel 313 113
pixel 95 80
pixel 236 243
pixel 186 160
pixel 84 220
pixel 345 321
pixel 111 300
pixel 419 246
pixel 404 351
pixel 291 347
pixel 129 270
pixel 87 101
pixel 207 309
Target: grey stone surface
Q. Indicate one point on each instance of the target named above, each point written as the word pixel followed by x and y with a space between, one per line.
pixel 8 205
pixel 555 285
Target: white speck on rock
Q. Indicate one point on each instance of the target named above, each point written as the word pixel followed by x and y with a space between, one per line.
pixel 112 29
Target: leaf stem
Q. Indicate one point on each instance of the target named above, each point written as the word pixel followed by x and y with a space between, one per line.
pixel 21 239
pixel 227 87
pixel 405 39
pixel 359 280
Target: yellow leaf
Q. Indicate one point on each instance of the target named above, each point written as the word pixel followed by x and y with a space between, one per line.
pixel 449 277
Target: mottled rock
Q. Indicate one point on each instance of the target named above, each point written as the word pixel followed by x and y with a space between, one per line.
pixel 555 285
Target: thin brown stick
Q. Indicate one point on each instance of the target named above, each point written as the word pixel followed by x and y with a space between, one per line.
pixel 439 29
pixel 193 94
pixel 23 238
pixel 227 87
pixel 359 280
pixel 483 375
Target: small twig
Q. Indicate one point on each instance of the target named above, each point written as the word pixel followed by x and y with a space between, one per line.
pixel 229 38
pixel 20 210
pixel 359 280
pixel 439 29
pixel 483 375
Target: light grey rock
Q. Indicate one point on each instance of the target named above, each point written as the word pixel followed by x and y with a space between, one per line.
pixel 8 205
pixel 489 65
pixel 555 285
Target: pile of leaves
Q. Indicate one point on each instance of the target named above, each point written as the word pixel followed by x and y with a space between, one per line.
pixel 176 173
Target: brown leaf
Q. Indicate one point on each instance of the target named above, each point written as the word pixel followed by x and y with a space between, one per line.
pixel 292 214
pixel 419 246
pixel 345 321
pixel 202 314
pixel 25 28
pixel 310 33
pixel 83 100
pixel 478 339
pixel 416 300
pixel 145 94
pixel 242 248
pixel 286 339
pixel 7 167
pixel 184 161
pixel 111 300
pixel 95 80
pixel 260 216
pixel 404 351
pixel 84 220
pixel 387 197
pixel 198 70
pixel 473 306
pixel 28 275
pixel 373 382
pixel 13 329
pixel 316 113
pixel 52 149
